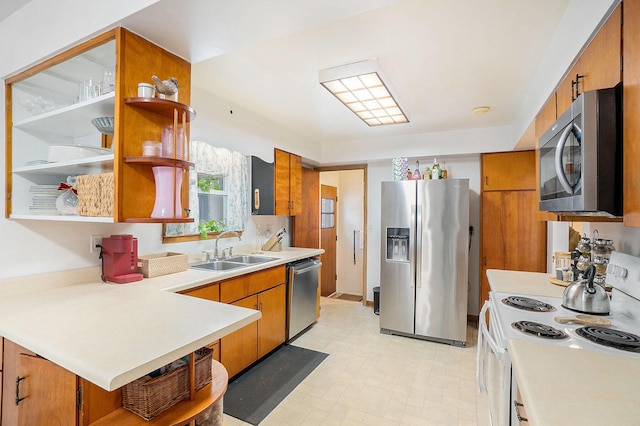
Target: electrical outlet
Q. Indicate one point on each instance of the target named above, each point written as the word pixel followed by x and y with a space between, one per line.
pixel 94 242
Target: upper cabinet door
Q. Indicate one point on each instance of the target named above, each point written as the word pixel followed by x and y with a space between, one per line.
pixel 599 65
pixel 295 184
pixel 281 183
pixel 508 171
pixel 287 183
pixel 631 99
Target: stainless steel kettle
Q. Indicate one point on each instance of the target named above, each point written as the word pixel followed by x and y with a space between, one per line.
pixel 583 296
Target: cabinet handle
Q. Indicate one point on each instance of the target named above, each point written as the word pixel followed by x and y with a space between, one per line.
pixel 486 180
pixel 518 405
pixel 261 306
pixel 18 380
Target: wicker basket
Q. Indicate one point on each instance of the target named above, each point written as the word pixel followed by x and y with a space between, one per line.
pixel 95 194
pixel 154 265
pixel 148 397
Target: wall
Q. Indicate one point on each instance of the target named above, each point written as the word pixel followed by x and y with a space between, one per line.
pixel 625 239
pixel 462 167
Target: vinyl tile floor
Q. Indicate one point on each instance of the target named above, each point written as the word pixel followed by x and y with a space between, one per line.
pixel 371 378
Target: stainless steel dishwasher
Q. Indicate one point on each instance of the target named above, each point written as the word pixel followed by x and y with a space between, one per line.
pixel 302 289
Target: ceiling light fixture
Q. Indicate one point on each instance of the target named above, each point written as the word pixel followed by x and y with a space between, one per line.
pixel 481 110
pixel 360 87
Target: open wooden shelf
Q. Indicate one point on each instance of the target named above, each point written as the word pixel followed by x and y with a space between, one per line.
pixel 162 106
pixel 159 161
pixel 181 414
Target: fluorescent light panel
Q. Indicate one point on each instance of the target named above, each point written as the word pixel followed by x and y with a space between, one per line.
pixel 364 93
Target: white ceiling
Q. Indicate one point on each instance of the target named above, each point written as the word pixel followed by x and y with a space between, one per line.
pixel 442 58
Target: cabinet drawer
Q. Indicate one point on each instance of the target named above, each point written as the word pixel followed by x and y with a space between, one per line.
pixel 209 292
pixel 246 285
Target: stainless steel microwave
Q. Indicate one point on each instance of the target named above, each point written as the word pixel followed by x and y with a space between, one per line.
pixel 581 157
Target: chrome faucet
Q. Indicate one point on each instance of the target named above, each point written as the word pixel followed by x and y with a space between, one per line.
pixel 215 250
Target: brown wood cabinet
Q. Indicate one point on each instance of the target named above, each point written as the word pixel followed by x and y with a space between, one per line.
pixel 264 291
pixel 631 99
pixel 508 171
pixel 51 393
pixel 511 235
pixel 240 348
pixel 287 183
pixel 600 66
pixel 208 292
pixel 135 60
pixel 600 63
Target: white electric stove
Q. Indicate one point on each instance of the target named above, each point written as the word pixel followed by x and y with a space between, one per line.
pixel 508 319
pixel 622 337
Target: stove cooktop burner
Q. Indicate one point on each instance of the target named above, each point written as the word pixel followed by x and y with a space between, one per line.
pixel 612 338
pixel 527 304
pixel 539 330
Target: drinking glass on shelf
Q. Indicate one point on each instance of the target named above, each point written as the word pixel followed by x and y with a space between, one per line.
pixel 109 80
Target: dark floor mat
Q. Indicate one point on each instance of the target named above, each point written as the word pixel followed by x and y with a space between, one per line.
pixel 350 297
pixel 254 394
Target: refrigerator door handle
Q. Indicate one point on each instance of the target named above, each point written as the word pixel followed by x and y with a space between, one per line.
pixel 418 257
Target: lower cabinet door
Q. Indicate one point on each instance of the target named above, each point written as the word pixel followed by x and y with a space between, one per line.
pixel 272 325
pixel 239 349
pixel 49 393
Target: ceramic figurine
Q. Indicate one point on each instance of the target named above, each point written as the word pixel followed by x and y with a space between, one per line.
pixel 166 87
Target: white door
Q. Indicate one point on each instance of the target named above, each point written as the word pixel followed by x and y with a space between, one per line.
pixel 350 261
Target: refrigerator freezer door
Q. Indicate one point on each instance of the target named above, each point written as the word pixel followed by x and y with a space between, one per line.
pixel 442 259
pixel 397 271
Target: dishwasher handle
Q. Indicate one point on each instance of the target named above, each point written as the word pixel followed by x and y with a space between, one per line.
pixel 314 265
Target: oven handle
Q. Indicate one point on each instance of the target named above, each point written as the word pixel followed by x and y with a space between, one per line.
pixel 484 339
pixel 562 177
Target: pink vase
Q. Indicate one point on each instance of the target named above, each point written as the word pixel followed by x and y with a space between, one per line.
pixel 168 184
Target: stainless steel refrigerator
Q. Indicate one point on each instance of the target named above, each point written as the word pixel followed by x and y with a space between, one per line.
pixel 425 255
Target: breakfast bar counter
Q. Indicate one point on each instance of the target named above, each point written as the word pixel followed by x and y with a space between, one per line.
pixel 112 334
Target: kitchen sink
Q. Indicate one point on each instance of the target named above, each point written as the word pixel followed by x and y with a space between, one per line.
pixel 249 259
pixel 218 265
pixel 231 263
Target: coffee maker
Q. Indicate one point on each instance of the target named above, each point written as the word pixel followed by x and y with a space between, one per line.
pixel 120 259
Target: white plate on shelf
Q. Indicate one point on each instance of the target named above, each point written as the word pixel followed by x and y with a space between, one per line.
pixel 74 152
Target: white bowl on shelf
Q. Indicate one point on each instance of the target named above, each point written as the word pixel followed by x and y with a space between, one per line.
pixel 73 152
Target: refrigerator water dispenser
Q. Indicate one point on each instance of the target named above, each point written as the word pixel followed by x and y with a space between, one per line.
pixel 398 244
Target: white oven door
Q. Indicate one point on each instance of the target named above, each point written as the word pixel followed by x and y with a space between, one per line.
pixel 493 370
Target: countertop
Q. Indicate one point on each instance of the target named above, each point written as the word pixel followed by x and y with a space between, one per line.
pixel 561 385
pixel 517 282
pixel 111 334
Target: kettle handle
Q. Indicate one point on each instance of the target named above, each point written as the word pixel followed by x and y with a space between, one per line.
pixel 590 274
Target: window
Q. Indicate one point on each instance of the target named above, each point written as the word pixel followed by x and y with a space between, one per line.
pixel 327 213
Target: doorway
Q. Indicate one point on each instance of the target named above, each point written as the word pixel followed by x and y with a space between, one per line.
pixel 350 216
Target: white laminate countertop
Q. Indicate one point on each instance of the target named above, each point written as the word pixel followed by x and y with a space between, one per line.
pixel 111 334
pixel 565 386
pixel 518 282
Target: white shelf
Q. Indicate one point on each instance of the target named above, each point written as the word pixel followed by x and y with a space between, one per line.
pixel 81 166
pixel 213 192
pixel 62 218
pixel 70 121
